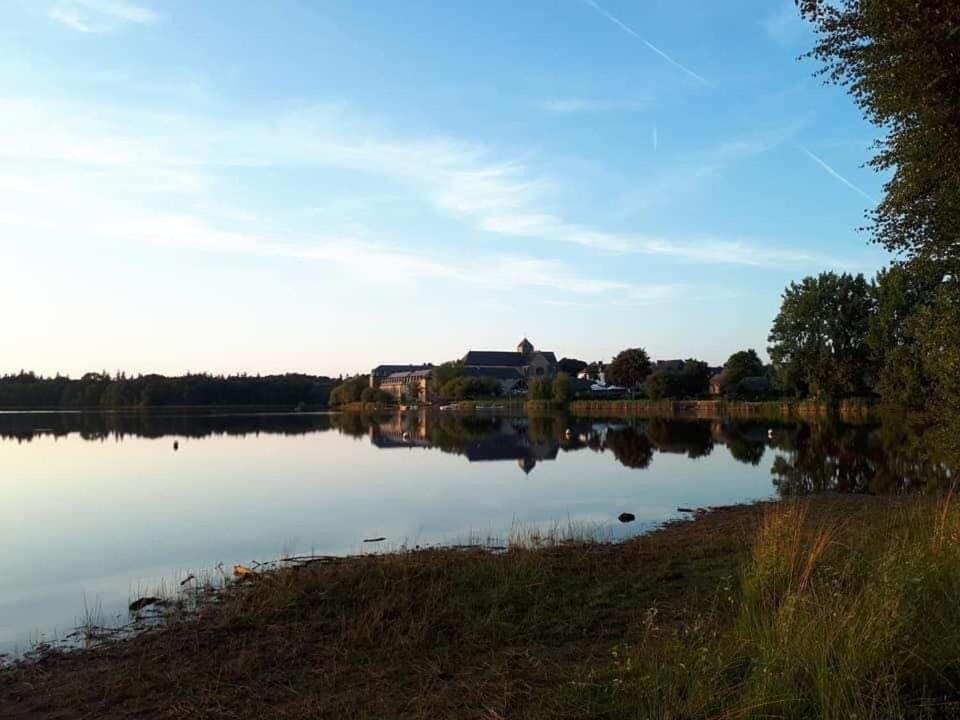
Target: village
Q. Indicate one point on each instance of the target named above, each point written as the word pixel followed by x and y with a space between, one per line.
pixel 511 373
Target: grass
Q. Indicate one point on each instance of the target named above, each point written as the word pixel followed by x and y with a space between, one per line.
pixel 852 410
pixel 839 607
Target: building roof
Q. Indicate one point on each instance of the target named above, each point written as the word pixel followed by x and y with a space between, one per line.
pixel 411 374
pixel 384 370
pixel 547 354
pixel 493 358
pixel 669 365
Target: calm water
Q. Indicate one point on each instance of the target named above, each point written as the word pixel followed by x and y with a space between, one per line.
pixel 98 508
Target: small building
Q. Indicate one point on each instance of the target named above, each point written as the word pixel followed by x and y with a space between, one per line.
pixel 595 372
pixel 718 382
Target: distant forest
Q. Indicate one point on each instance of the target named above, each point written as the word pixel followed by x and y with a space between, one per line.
pixel 27 390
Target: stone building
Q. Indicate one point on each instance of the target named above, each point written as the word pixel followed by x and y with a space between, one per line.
pixel 512 369
pixel 412 384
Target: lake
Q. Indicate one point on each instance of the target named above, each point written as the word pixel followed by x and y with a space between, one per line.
pixel 99 508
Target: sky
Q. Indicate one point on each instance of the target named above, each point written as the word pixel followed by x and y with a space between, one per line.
pixel 326 185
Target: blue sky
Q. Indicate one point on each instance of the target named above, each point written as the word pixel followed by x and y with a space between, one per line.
pixel 322 186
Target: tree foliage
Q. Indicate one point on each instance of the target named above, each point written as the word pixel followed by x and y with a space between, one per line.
pixel 442 374
pixel 560 387
pixel 691 381
pixel 350 390
pixel 742 364
pixel 376 395
pixel 571 366
pixel 470 388
pixel 93 390
pixel 900 61
pixel 538 389
pixel 818 342
pixel 629 368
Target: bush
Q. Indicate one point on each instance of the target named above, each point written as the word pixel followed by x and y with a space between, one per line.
pixel 470 388
pixel 349 391
pixel 662 385
pixel 538 390
pixel 376 395
pixel 560 388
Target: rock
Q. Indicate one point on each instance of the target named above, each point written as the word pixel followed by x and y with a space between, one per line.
pixel 626 517
pixel 143 602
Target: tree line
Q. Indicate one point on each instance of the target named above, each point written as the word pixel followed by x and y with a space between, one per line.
pixel 102 390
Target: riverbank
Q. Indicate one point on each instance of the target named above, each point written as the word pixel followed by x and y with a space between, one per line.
pixel 846 410
pixel 836 607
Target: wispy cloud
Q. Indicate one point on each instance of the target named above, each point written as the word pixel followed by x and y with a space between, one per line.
pixel 784 23
pixel 469 183
pixel 834 174
pixel 571 105
pixel 656 138
pixel 98 16
pixel 686 175
pixel 627 29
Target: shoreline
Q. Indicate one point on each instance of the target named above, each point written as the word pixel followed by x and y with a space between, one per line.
pixel 529 632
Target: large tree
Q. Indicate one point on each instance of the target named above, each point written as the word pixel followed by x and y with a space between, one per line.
pixel 900 61
pixel 818 343
pixel 629 368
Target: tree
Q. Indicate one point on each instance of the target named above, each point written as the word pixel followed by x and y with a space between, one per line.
pixel 442 374
pixel 742 364
pixel 818 339
pixel 894 336
pixel 538 389
pixel 695 378
pixel 571 366
pixel 629 368
pixel 663 384
pixel 560 388
pixel 376 395
pixel 348 391
pixel 899 61
pixel 470 388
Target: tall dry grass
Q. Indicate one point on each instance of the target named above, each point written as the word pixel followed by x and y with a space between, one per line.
pixel 848 617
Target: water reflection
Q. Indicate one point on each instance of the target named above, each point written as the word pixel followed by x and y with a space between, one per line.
pixel 93 505
pixel 807 458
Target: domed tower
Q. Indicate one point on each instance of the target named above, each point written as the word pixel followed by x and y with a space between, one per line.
pixel 525 347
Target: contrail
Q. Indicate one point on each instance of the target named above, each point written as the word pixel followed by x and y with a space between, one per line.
pixel 626 28
pixel 837 175
pixel 656 140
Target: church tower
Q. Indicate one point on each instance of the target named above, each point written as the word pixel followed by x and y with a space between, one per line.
pixel 525 347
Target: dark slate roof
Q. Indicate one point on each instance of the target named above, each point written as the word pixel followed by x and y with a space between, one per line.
pixel 496 373
pixel 548 355
pixel 670 365
pixel 410 374
pixel 384 370
pixel 487 358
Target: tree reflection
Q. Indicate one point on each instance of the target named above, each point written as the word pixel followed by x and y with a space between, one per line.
pixel 630 447
pixel 689 437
